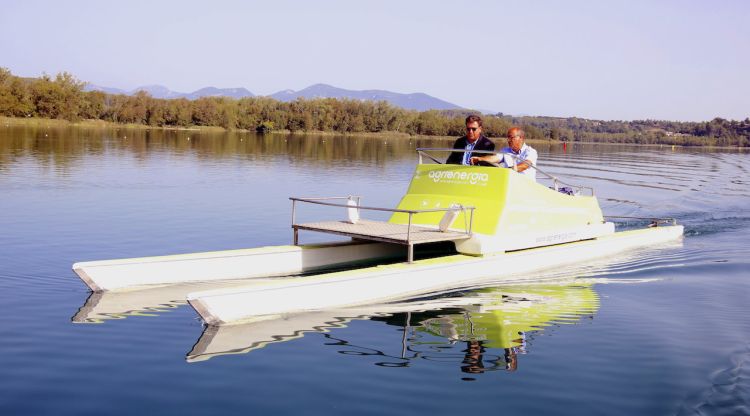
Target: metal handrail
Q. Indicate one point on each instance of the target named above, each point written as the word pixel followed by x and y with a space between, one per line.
pixel 410 212
pixel 422 151
pixel 405 211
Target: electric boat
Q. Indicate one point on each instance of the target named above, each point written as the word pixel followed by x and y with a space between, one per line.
pixel 497 222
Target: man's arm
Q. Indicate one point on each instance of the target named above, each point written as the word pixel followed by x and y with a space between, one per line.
pixel 520 167
pixel 487 144
pixel 488 158
pixel 528 162
pixel 455 158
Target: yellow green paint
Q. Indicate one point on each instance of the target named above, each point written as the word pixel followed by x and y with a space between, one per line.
pixel 504 201
pixel 511 312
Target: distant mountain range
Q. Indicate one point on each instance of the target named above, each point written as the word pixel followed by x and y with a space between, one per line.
pixel 416 101
pixel 160 91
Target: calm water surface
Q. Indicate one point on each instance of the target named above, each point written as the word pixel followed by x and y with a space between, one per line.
pixel 652 332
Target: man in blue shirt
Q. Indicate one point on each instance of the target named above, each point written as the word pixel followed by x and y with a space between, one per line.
pixel 473 140
pixel 518 155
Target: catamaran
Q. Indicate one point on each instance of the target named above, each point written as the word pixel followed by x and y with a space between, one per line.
pixel 496 222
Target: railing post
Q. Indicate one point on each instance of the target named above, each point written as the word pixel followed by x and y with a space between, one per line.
pixel 466 220
pixel 294 208
pixel 408 229
pixel 471 222
pixel 295 239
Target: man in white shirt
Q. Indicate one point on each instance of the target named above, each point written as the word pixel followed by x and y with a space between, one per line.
pixel 517 155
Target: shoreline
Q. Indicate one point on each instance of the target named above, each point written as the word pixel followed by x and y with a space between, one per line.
pixel 90 123
pixel 499 141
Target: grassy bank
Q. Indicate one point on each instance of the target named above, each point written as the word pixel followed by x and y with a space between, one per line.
pixel 48 122
pixel 100 124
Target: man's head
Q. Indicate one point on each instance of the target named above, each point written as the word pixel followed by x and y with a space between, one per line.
pixel 473 128
pixel 516 137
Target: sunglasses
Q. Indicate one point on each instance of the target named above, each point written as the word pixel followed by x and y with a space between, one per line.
pixel 472 128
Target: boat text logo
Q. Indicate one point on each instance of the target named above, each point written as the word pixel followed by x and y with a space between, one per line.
pixel 448 176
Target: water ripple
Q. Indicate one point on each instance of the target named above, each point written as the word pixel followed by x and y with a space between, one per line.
pixel 671 320
pixel 729 392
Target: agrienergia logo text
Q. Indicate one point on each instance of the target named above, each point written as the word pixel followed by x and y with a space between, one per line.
pixel 451 176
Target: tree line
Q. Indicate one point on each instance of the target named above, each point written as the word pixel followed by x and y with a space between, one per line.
pixel 717 132
pixel 64 97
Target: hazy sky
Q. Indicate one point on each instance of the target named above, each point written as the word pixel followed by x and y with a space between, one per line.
pixel 678 60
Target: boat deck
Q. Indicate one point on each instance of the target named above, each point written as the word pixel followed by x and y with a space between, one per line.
pixel 386 232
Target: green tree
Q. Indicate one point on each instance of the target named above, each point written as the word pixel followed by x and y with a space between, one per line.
pixel 93 105
pixel 15 97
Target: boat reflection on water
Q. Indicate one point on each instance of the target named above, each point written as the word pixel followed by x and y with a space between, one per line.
pixel 146 301
pixel 246 337
pixel 103 306
pixel 508 319
pixel 495 324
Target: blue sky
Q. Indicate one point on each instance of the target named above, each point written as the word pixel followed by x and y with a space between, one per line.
pixel 624 60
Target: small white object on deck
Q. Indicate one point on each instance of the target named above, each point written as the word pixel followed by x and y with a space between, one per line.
pixel 352 212
pixel 448 218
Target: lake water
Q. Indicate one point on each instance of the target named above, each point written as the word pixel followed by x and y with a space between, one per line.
pixel 664 330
